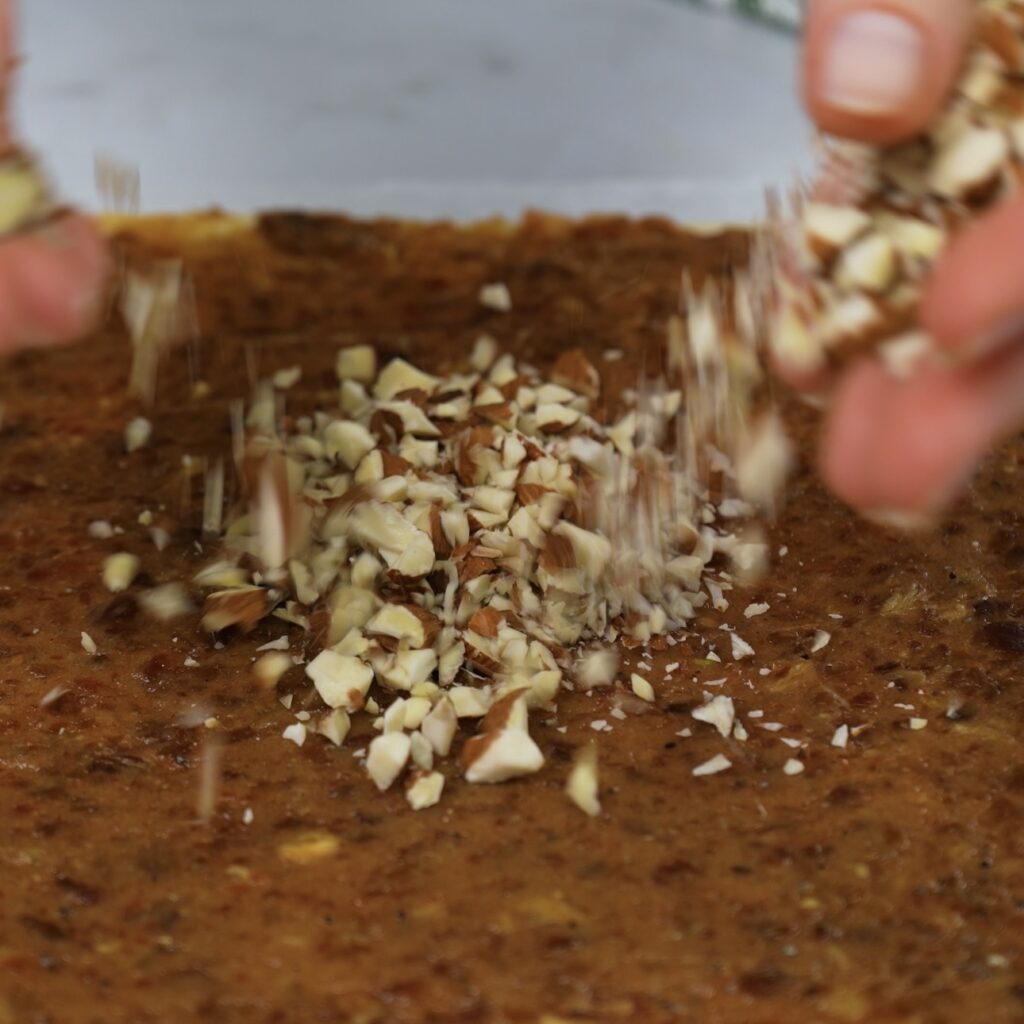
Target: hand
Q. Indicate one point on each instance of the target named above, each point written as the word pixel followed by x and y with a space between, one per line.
pixel 51 278
pixel 878 71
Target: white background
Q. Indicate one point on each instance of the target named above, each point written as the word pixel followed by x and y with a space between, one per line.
pixel 415 107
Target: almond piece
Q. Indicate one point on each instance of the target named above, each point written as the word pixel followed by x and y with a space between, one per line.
pixel 279 518
pixel 495 296
pixel 414 420
pixel 970 167
pixel 286 378
pixel 830 229
pixel 137 434
pixel 242 607
pixel 416 709
pixel 406 669
pixel 119 571
pixel 356 363
pixel 353 399
pixel 387 757
pixel 271 667
pixel 341 680
pixel 394 717
pixel 574 371
pixel 425 790
pixel 868 265
pixel 509 712
pixel 764 462
pixel 399 376
pixel 555 419
pixel 296 733
pixel 23 193
pixel 499 756
pixel 793 343
pixel 916 239
pixel 166 602
pixel 642 688
pixel 350 610
pixel 591 551
pixel 719 712
pixel 999 31
pixel 399 622
pixel 485 351
pixel 469 702
pixel 422 752
pixel 486 622
pixel 405 549
pixel 348 440
pixel 450 662
pixel 582 784
pixel 440 725
pixel 716 764
pixel 596 669
pixel 335 726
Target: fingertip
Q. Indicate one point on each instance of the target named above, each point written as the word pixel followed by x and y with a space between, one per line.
pixel 879 71
pixel 906 446
pixel 847 436
pixel 58 274
pixel 974 302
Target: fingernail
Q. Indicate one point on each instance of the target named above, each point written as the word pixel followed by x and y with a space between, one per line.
pixel 873 63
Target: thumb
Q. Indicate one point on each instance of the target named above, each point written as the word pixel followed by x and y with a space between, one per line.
pixel 879 70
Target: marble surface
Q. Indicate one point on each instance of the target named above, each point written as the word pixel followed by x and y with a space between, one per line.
pixel 425 108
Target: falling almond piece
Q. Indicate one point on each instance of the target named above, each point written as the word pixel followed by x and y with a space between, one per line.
pixel 119 571
pixel 582 785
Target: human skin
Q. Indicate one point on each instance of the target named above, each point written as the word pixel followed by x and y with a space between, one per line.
pixel 878 71
pixel 51 278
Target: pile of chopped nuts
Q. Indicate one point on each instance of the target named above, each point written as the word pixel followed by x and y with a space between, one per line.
pixel 463 547
pixel 852 261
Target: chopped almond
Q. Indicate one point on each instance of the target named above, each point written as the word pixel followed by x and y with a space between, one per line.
pixel 387 758
pixel 341 680
pixel 574 370
pixel 582 785
pixel 425 790
pixel 499 756
pixel 242 607
pixel 356 363
pixel 119 571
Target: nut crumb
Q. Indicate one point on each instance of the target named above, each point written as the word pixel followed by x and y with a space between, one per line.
pixel 496 296
pixel 716 764
pixel 582 784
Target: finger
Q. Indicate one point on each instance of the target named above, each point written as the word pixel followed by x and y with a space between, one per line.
pixel 51 282
pixel 974 304
pixel 879 70
pixel 908 446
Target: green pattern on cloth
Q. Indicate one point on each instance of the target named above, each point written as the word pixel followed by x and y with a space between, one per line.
pixel 786 13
